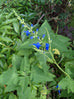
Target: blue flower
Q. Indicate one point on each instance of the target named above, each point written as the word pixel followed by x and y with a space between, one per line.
pixel 47 46
pixel 22 25
pixel 43 36
pixel 57 86
pixel 38 37
pixel 27 33
pixel 31 25
pixel 37 45
pixel 31 37
pixel 59 92
pixel 33 32
pixel 37 30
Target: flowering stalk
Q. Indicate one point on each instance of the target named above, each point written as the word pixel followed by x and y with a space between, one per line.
pixel 22 21
pixel 53 56
pixel 37 45
pixel 58 65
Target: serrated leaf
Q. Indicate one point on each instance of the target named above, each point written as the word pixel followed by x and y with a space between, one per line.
pixel 69 68
pixel 67 83
pixel 24 95
pixel 23 89
pixel 58 41
pixel 25 65
pixel 37 75
pixel 9 78
pixel 16 61
pixel 42 60
pixel 23 81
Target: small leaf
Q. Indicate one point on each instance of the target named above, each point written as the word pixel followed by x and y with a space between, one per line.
pixel 6 39
pixel 16 26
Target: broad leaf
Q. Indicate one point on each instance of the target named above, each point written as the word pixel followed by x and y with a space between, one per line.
pixel 38 75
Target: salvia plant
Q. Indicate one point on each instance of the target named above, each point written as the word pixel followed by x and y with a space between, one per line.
pixel 35 63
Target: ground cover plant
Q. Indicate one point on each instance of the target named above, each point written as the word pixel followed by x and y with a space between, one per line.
pixel 35 62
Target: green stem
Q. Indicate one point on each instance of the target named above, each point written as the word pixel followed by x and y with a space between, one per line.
pixel 22 21
pixel 62 70
pixel 58 65
pixel 54 61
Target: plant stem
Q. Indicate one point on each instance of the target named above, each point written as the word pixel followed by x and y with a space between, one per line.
pixel 62 70
pixel 58 65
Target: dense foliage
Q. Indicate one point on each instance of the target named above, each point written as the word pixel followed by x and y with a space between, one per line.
pixel 35 61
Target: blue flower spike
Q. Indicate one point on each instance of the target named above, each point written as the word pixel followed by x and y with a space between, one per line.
pixel 22 25
pixel 38 37
pixel 31 25
pixel 37 45
pixel 37 30
pixel 59 92
pixel 33 32
pixel 27 33
pixel 31 37
pixel 57 86
pixel 43 36
pixel 47 46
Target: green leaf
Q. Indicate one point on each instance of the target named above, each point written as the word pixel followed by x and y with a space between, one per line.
pixel 67 83
pixel 23 91
pixel 23 82
pixel 6 39
pixel 2 55
pixel 16 61
pixel 2 1
pixel 24 94
pixel 4 50
pixel 16 26
pixel 62 45
pixel 64 93
pixel 25 65
pixel 28 43
pixel 8 21
pixel 69 68
pixel 12 96
pixel 9 78
pixel 37 75
pixel 42 60
pixel 58 41
pixel 69 54
pixel 6 27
